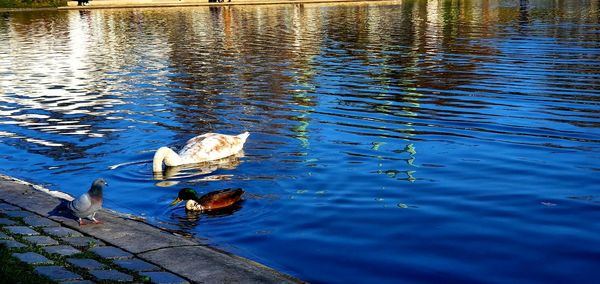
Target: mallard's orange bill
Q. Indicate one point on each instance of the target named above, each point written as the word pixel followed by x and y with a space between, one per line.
pixel 177 200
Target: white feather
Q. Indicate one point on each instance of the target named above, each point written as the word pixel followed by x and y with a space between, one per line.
pixel 202 148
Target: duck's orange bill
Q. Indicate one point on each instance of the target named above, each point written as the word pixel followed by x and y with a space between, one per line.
pixel 177 200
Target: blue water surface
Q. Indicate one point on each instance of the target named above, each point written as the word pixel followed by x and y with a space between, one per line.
pixel 391 142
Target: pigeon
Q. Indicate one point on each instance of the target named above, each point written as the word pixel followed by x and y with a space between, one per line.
pixel 86 205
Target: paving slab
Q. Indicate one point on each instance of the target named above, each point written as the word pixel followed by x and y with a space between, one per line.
pixel 32 258
pixel 5 221
pixel 62 250
pixel 133 236
pixel 8 207
pixel 82 242
pixel 164 278
pixel 41 240
pixel 111 275
pixel 57 273
pixel 18 214
pixel 61 232
pixel 211 266
pixel 77 282
pixel 21 230
pixel 136 265
pixel 12 244
pixel 37 221
pixel 111 252
pixel 26 195
pixel 86 263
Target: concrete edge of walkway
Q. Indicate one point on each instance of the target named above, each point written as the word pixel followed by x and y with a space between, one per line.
pixel 182 256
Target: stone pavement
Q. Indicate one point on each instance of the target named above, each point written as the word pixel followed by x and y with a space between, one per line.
pixel 120 250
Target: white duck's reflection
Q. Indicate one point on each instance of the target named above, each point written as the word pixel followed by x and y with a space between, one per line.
pixel 171 175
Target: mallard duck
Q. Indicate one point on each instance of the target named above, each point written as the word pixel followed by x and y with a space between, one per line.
pixel 86 205
pixel 211 201
pixel 202 148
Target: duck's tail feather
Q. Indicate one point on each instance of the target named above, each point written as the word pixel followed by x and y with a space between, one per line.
pixel 244 135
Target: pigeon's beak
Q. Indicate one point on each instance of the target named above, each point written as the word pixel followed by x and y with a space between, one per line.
pixel 177 200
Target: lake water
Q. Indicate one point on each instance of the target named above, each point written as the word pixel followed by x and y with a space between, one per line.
pixel 411 141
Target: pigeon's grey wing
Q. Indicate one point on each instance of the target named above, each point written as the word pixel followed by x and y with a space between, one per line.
pixel 81 206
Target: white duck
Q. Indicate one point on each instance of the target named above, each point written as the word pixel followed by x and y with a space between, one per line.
pixel 202 148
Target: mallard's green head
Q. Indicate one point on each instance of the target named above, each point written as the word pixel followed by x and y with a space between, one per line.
pixel 185 194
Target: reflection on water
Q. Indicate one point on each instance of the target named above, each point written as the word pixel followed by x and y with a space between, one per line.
pixel 421 141
pixel 200 169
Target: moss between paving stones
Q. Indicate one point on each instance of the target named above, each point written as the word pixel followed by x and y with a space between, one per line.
pixel 60 260
pixel 13 270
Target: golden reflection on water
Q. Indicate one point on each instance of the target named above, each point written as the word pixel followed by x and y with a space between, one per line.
pixel 62 69
pixel 64 72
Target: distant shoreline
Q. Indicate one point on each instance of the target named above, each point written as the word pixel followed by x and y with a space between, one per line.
pixel 112 4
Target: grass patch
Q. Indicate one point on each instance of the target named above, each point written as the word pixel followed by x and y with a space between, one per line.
pixel 32 3
pixel 13 270
pixel 59 260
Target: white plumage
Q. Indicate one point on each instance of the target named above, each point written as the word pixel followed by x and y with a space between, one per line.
pixel 202 148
